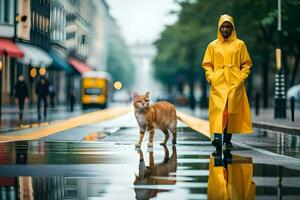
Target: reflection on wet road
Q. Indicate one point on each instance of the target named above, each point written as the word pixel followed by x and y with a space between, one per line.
pixel 113 169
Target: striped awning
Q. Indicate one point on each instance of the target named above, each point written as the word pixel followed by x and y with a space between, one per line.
pixel 8 47
pixel 80 66
pixel 34 56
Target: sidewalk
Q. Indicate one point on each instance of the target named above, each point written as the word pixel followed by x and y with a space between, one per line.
pixel 265 120
pixel 10 117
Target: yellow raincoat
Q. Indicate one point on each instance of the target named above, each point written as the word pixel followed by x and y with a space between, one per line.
pixel 233 182
pixel 227 64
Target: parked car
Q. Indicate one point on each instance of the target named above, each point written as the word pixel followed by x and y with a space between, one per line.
pixel 121 96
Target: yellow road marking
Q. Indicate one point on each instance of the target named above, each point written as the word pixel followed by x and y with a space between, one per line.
pixel 87 118
pixel 94 136
pixel 199 125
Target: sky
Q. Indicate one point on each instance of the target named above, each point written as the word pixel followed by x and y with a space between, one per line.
pixel 142 20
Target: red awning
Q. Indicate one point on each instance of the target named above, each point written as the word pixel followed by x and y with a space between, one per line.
pixel 81 67
pixel 9 48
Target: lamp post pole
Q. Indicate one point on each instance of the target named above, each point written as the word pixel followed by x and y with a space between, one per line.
pixel 3 63
pixel 280 94
pixel 15 21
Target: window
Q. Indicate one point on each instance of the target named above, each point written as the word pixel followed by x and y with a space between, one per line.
pixel 92 91
pixel 33 20
pixel 47 25
pixel 6 11
pixel 70 35
pixel 40 22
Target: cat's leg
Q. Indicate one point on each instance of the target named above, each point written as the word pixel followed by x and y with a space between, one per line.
pixel 166 137
pixel 140 140
pixel 174 132
pixel 151 135
pixel 173 129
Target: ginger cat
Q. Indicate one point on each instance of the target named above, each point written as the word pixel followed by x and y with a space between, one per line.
pixel 160 115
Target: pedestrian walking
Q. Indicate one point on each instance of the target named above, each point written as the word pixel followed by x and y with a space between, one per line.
pixel 52 95
pixel 42 91
pixel 21 94
pixel 227 65
pixel 72 99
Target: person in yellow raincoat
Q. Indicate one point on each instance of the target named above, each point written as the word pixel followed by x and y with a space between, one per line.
pixel 227 65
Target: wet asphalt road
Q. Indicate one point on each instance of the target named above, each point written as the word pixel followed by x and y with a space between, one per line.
pixel 264 165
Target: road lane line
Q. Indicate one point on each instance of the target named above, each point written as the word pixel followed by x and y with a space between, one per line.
pixel 199 125
pixel 92 117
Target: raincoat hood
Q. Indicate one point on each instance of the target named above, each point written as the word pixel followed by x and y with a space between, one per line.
pixel 226 18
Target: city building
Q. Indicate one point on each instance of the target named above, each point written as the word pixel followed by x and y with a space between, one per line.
pixel 8 50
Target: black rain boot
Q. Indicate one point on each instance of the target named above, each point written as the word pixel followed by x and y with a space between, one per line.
pixel 217 142
pixel 227 141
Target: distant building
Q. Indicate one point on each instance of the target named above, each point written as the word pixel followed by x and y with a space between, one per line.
pixel 61 70
pixel 8 50
pixel 56 37
pixel 98 48
pixel 32 38
pixel 79 20
pixel 143 55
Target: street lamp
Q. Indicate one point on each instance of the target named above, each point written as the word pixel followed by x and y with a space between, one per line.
pixel 118 85
pixel 280 95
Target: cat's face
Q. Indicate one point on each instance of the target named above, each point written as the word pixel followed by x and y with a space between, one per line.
pixel 141 101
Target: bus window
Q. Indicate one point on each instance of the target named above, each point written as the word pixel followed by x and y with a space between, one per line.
pixel 93 91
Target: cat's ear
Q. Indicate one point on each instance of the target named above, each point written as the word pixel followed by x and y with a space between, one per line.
pixel 135 96
pixel 147 94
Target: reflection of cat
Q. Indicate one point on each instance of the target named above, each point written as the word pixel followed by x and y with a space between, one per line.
pixel 155 174
pixel 160 115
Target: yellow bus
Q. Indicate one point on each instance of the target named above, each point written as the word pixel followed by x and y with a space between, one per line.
pixel 95 89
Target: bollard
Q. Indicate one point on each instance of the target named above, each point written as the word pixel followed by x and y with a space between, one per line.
pixel 292 104
pixel 257 104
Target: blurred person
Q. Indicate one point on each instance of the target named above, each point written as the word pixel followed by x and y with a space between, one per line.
pixel 227 65
pixel 52 94
pixel 42 92
pixel 21 94
pixel 72 99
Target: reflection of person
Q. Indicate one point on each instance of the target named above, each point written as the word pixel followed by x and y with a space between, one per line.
pixel 227 65
pixel 231 179
pixel 42 91
pixel 150 175
pixel 21 93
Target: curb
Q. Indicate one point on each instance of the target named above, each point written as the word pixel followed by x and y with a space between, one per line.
pixel 275 127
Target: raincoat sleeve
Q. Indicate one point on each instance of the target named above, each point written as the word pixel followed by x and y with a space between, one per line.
pixel 207 63
pixel 246 62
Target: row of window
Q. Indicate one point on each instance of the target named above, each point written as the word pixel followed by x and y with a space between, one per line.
pixel 40 22
pixel 6 11
pixel 44 2
pixel 58 23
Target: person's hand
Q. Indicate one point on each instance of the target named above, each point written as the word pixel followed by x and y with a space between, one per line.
pixel 26 100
